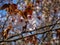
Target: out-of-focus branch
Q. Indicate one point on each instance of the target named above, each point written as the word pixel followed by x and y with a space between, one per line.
pixel 5 22
pixel 50 29
pixel 27 36
pixel 4 25
pixel 34 30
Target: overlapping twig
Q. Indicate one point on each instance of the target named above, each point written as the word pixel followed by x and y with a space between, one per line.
pixel 33 30
pixel 30 35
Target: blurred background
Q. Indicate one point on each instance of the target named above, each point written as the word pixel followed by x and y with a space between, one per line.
pixel 29 22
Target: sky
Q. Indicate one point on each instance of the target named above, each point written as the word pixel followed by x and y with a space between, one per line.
pixel 3 13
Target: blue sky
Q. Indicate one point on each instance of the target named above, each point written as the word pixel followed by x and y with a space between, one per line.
pixel 14 1
pixel 3 12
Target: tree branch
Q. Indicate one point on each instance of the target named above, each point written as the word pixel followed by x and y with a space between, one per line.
pixel 27 36
pixel 33 30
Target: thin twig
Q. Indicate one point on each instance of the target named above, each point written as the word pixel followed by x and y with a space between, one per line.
pixel 27 36
pixel 32 30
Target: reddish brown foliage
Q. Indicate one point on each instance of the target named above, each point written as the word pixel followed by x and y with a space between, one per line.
pixel 31 39
pixel 38 1
pixel 39 17
pixel 6 31
pixel 5 6
pixel 9 7
pixel 12 9
pixel 58 33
